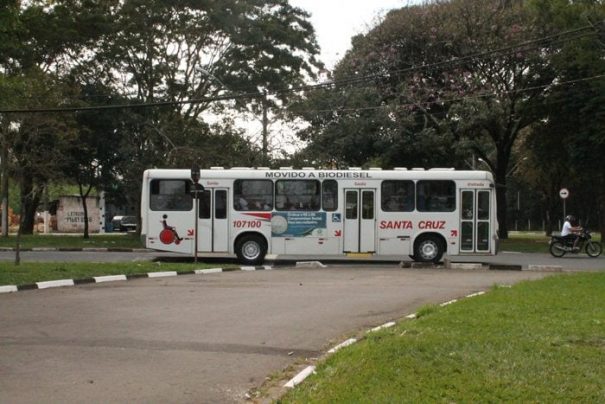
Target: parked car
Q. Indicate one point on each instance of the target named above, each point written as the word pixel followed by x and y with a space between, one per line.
pixel 124 223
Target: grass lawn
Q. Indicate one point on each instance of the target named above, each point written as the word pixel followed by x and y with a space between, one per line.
pixel 541 341
pixel 530 242
pixel 121 240
pixel 31 272
pixel 525 244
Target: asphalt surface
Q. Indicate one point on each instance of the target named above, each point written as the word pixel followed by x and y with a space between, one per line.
pixel 212 338
pixel 203 338
pixel 574 261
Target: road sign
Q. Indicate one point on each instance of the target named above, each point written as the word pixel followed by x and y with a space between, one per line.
pixel 564 193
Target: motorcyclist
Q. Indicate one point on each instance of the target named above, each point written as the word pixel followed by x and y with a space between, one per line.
pixel 571 231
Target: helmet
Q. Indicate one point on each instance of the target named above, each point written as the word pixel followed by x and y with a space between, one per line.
pixel 570 218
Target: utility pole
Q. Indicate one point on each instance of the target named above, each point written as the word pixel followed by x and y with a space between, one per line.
pixel 4 182
pixel 265 129
pixel 196 191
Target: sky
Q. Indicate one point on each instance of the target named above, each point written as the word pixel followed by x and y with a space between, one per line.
pixel 337 21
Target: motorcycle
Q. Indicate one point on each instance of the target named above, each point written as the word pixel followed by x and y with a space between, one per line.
pixel 559 246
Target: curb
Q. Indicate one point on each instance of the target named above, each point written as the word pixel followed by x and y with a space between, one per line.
pixel 116 278
pixel 310 369
pixel 545 268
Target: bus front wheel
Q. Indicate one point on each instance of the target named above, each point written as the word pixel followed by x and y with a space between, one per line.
pixel 251 249
pixel 428 249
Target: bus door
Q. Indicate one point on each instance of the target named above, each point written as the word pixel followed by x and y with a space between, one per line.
pixel 475 225
pixel 360 220
pixel 213 223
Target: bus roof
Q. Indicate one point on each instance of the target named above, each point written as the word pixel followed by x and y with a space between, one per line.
pixel 309 173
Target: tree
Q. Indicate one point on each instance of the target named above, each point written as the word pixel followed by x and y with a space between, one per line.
pixel 41 41
pixel 459 76
pixel 36 144
pixel 10 32
pixel 92 157
pixel 148 51
pixel 181 50
pixel 567 144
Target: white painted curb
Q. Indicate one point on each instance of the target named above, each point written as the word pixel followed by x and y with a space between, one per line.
pixel 448 303
pixel 121 277
pixel 109 278
pixel 161 274
pixel 310 264
pixel 251 268
pixel 55 284
pixel 348 342
pixel 550 268
pixel 8 289
pixel 208 271
pixel 382 327
pixel 298 379
pixel 465 265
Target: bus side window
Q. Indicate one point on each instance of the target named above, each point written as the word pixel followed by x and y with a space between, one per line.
pixel 297 195
pixel 253 195
pixel 220 204
pixel 204 204
pixel 397 196
pixel 436 196
pixel 170 195
pixel 329 195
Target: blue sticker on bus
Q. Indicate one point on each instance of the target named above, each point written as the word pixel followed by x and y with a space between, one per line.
pixel 336 218
pixel 298 224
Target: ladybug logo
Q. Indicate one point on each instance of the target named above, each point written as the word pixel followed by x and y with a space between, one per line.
pixel 168 235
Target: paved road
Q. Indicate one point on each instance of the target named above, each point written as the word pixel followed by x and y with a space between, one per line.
pixel 204 338
pixel 581 261
pixel 575 261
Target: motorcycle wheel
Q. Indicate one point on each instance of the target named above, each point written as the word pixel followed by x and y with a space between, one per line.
pixel 557 249
pixel 593 249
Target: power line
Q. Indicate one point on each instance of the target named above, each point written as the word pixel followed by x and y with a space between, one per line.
pixel 510 48
pixel 444 100
pixel 133 106
pixel 327 84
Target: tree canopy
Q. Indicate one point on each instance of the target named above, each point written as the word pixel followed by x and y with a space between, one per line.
pixel 438 84
pixel 450 81
pixel 141 52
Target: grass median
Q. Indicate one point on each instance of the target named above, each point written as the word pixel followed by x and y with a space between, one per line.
pixel 31 272
pixel 530 242
pixel 541 341
pixel 117 240
pixel 525 244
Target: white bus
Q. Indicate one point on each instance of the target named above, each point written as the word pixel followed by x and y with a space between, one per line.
pixel 252 212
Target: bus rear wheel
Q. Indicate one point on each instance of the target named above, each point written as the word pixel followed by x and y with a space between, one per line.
pixel 428 249
pixel 251 249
